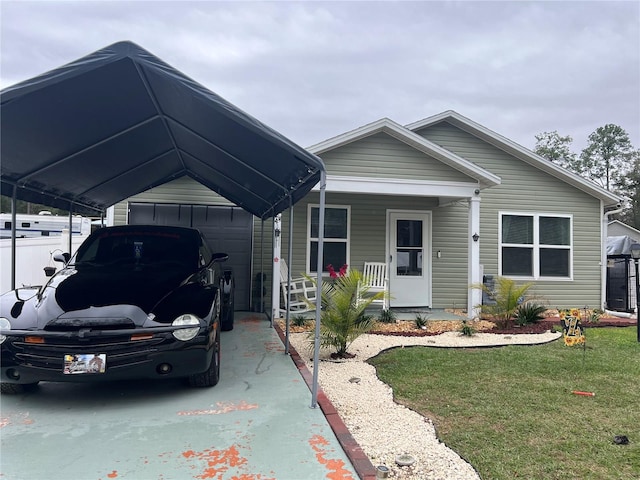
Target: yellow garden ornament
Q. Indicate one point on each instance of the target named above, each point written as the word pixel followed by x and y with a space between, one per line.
pixel 572 330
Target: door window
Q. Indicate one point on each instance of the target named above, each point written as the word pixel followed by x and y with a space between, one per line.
pixel 409 250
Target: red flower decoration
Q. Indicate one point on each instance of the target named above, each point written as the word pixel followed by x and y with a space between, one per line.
pixel 341 273
pixel 332 272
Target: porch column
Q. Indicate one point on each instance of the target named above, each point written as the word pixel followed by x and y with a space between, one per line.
pixel 474 296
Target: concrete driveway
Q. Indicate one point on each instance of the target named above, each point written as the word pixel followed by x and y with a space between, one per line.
pixel 256 424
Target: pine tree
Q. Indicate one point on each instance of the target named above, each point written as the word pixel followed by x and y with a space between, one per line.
pixel 607 157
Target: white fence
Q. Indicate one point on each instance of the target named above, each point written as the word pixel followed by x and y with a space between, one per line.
pixel 32 255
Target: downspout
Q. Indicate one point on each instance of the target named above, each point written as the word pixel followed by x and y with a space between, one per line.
pixel 603 255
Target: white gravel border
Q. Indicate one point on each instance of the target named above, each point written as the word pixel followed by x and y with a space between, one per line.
pixel 383 428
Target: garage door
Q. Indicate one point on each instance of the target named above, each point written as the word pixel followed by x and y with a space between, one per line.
pixel 227 229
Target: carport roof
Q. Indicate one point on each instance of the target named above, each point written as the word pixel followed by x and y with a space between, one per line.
pixel 120 121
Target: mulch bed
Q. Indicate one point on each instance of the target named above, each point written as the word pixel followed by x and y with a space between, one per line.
pixel 512 328
pixel 436 327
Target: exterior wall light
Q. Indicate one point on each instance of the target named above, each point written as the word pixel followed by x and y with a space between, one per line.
pixel 476 237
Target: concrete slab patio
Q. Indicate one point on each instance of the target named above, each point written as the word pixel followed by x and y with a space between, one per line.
pixel 256 424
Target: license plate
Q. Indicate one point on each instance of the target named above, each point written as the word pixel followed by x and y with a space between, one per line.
pixel 82 363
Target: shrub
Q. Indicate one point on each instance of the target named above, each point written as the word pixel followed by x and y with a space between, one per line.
pixel 507 295
pixel 366 318
pixel 387 316
pixel 593 316
pixel 467 329
pixel 529 312
pixel 421 321
pixel 585 314
pixel 299 320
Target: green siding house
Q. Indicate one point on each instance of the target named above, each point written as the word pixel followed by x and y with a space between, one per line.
pixel 443 202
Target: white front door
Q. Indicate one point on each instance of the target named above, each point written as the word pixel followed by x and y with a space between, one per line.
pixel 409 258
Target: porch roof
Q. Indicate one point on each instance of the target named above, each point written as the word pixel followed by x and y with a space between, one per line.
pixel 483 177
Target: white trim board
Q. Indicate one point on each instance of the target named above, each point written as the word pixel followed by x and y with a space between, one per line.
pixel 392 186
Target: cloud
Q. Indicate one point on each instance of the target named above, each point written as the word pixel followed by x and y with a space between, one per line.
pixel 313 70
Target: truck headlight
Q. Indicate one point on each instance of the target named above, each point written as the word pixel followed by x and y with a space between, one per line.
pixel 186 334
pixel 4 325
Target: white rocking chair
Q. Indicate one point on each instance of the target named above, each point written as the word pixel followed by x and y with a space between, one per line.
pixel 303 292
pixel 375 280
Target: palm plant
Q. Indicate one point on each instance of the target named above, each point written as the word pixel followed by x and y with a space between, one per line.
pixel 342 317
pixel 507 297
pixel 529 312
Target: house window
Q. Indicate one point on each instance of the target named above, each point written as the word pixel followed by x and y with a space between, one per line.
pixel 336 237
pixel 535 245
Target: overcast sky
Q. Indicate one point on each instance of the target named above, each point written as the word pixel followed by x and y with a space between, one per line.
pixel 313 70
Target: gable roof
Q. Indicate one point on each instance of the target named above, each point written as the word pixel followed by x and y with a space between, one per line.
pixel 623 227
pixel 518 152
pixel 397 131
pixel 120 121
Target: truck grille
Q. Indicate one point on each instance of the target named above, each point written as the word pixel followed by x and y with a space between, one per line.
pixel 120 350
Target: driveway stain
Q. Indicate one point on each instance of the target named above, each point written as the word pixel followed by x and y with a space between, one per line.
pixel 218 462
pixel 336 467
pixel 16 419
pixel 260 369
pixel 274 346
pixel 223 407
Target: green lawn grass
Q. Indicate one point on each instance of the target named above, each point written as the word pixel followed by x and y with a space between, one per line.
pixel 510 410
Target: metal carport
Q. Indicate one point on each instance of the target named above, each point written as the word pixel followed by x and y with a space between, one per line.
pixel 120 121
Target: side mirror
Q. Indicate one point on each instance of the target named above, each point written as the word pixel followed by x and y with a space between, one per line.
pixel 220 257
pixel 62 257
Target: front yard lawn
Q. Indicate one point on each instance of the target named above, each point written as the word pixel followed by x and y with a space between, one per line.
pixel 511 413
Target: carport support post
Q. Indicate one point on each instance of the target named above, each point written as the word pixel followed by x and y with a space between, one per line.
pixel 262 266
pixel 289 260
pixel 14 204
pixel 635 255
pixel 70 228
pixel 316 343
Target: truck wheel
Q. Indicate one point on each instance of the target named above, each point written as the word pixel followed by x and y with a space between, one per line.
pixel 227 323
